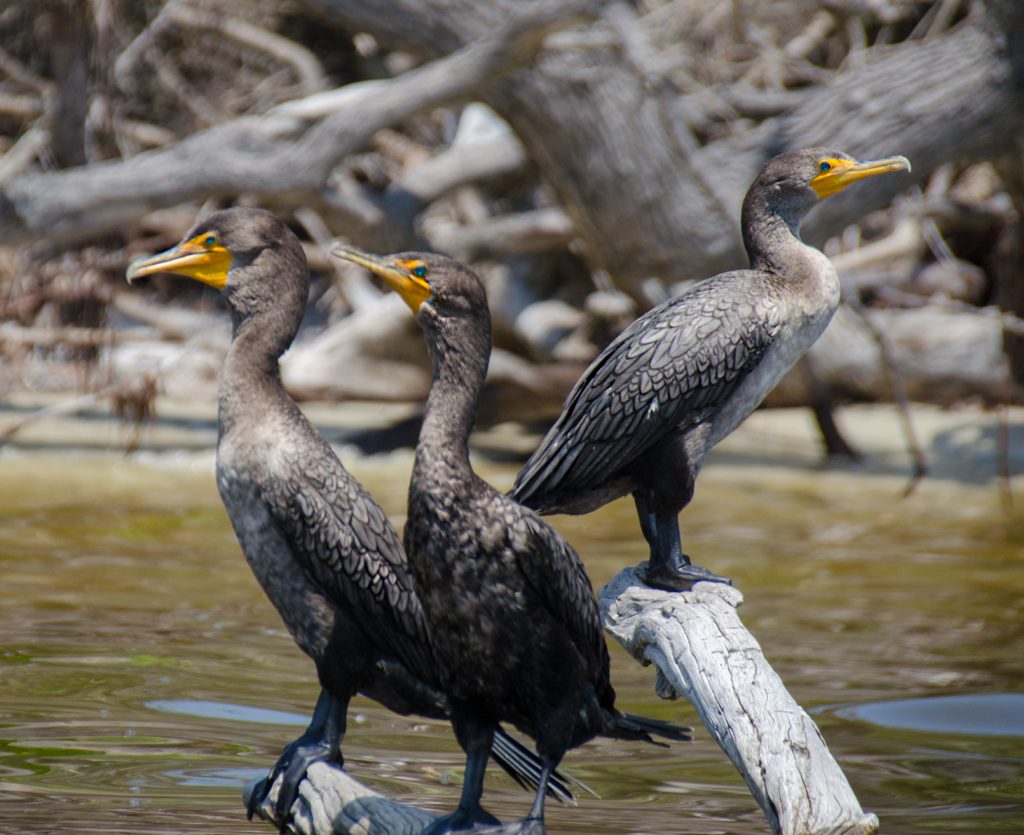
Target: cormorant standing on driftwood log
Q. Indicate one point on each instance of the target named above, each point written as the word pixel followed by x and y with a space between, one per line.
pixel 688 372
pixel 516 629
pixel 320 546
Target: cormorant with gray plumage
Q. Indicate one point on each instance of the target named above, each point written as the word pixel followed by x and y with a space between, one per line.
pixel 685 374
pixel 516 630
pixel 320 546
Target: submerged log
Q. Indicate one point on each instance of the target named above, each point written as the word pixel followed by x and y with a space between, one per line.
pixel 702 651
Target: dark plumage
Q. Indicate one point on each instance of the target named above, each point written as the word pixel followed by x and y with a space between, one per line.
pixel 320 546
pixel 688 372
pixel 516 629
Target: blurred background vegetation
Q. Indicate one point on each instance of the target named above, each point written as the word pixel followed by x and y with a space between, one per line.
pixel 588 158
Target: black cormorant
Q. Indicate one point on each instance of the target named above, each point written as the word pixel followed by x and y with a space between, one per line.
pixel 320 546
pixel 516 629
pixel 687 373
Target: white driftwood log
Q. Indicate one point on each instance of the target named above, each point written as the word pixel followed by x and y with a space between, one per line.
pixel 703 652
pixel 330 802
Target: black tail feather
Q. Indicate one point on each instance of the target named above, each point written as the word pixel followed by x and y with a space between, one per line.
pixel 523 766
pixel 631 726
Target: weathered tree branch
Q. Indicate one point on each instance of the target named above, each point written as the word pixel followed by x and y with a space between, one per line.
pixel 463 163
pixel 513 234
pixel 380 348
pixel 260 155
pixel 173 323
pixel 20 155
pixel 703 652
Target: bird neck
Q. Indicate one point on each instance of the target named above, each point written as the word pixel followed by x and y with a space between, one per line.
pixel 771 234
pixel 459 352
pixel 250 381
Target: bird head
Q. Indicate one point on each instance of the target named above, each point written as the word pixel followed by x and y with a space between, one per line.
pixel 445 296
pixel 791 184
pixel 816 173
pixel 434 286
pixel 248 254
pixel 832 171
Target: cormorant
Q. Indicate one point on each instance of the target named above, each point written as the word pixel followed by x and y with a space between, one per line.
pixel 517 635
pixel 320 546
pixel 688 372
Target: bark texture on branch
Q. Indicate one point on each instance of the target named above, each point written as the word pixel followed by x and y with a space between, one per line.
pixel 702 651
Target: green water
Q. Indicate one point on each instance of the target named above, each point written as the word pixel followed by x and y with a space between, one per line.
pixel 144 678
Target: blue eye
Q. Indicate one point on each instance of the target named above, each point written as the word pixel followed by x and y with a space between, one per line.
pixel 824 166
pixel 420 271
pixel 210 240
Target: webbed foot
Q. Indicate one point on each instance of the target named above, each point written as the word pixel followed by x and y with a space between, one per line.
pixel 680 576
pixel 292 765
pixel 465 820
pixel 259 794
pixel 527 826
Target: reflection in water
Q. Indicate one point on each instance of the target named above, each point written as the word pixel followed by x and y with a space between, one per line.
pixel 218 777
pixel 985 714
pixel 221 710
pixel 144 678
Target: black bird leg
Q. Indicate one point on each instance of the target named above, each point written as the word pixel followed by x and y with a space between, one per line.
pixel 475 738
pixel 534 822
pixel 669 568
pixel 648 521
pixel 321 742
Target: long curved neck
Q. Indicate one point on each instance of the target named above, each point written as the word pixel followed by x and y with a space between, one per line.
pixel 771 234
pixel 250 380
pixel 459 351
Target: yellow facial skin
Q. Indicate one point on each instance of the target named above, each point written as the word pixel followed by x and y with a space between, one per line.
pixel 201 258
pixel 407 277
pixel 839 173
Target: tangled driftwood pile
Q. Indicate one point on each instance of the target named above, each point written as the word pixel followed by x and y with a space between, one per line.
pixel 587 157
